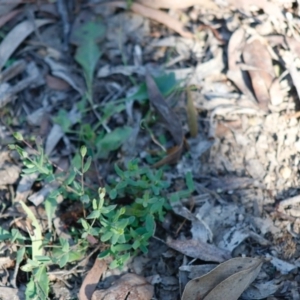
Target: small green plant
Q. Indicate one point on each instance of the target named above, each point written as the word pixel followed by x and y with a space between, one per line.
pixel 122 215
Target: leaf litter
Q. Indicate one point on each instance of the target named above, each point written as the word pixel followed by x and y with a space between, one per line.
pixel 227 95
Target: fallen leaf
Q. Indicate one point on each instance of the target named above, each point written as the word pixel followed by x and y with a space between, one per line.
pixel 156 15
pixel 7 17
pixel 64 72
pixel 270 8
pixel 92 278
pixel 226 282
pixel 235 73
pixel 6 6
pixel 177 4
pixel 13 70
pixel 197 249
pixel 258 59
pixel 170 119
pixel 16 36
pixel 56 83
pixel 129 287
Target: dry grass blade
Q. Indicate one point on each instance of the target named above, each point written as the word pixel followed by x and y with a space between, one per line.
pixel 91 280
pixel 177 4
pixel 192 114
pixel 227 281
pixel 169 118
pixel 16 36
pixel 156 15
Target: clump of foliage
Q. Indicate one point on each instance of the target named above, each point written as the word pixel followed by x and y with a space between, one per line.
pixel 124 228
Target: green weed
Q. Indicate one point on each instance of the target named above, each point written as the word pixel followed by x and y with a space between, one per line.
pixel 124 229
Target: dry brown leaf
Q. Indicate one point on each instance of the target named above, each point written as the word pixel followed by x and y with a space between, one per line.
pixel 258 59
pixel 92 278
pixel 16 36
pixel 226 282
pixel 235 73
pixel 7 5
pixel 13 70
pixel 129 287
pixel 177 4
pixel 156 15
pixel 5 18
pixel 56 83
pixel 192 114
pixel 197 249
pixel 170 119
pixel 270 8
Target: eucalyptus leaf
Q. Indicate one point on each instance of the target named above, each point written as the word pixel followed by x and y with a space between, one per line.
pixel 113 140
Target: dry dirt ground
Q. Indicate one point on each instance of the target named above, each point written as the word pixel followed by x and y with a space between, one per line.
pixel 232 71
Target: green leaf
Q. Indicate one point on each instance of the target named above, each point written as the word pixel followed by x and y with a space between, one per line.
pixel 83 151
pixel 119 171
pixel 150 224
pixel 120 247
pixel 63 260
pixel 94 215
pixel 41 282
pixel 136 244
pixel 20 255
pixel 71 177
pixel 89 31
pixel 36 237
pixel 50 207
pixel 104 254
pixel 18 136
pixel 113 194
pixel 64 244
pixel 31 292
pixel 85 198
pixel 87 164
pixel 189 181
pixel 106 236
pixel 85 224
pixel 120 261
pixel 121 185
pixel 113 140
pixel 75 255
pixel 4 234
pixel 87 56
pixel 16 235
pixel 63 120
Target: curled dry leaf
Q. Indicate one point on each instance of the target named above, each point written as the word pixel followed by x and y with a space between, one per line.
pixel 16 36
pixel 156 15
pixel 170 119
pixel 258 59
pixel 129 286
pixel 177 4
pixel 197 249
pixel 235 73
pixel 91 280
pixel 226 282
